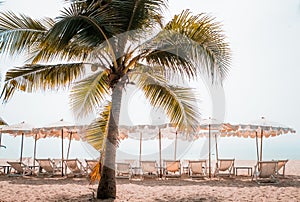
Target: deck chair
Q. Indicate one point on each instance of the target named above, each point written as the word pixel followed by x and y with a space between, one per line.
pixel 172 169
pixel 90 165
pixel 224 168
pixel 123 170
pixel 197 168
pixel 149 169
pixel 75 167
pixel 19 169
pixel 281 166
pixel 47 166
pixel 265 172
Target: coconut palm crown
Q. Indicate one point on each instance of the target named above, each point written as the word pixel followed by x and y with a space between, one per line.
pixel 123 42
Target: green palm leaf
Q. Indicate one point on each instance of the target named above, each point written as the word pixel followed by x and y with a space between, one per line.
pixel 20 33
pixel 89 93
pixel 96 132
pixel 179 103
pixel 211 48
pixel 40 77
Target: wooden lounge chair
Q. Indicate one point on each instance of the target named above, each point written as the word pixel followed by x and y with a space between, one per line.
pixel 265 172
pixel 19 169
pixel 75 167
pixel 123 170
pixel 172 169
pixel 90 165
pixel 281 166
pixel 224 168
pixel 197 168
pixel 48 167
pixel 149 169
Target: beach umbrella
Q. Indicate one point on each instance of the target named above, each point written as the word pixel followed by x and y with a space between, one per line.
pixel 62 129
pixel 151 132
pixel 261 128
pixel 23 129
pixel 212 126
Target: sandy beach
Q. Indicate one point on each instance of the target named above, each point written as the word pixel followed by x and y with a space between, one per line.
pixel 239 188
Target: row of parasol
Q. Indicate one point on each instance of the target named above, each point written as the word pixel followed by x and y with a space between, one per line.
pixel 61 129
pixel 209 128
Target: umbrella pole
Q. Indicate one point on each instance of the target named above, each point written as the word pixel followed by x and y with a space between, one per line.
pixel 34 150
pixel 22 140
pixel 62 152
pixel 69 145
pixel 261 143
pixel 175 149
pixel 160 163
pixel 217 152
pixel 257 152
pixel 0 138
pixel 140 159
pixel 209 159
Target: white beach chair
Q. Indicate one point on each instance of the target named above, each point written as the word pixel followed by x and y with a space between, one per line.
pixel 266 172
pixel 123 170
pixel 281 166
pixel 149 169
pixel 197 168
pixel 75 167
pixel 172 169
pixel 48 167
pixel 19 169
pixel 224 168
pixel 90 165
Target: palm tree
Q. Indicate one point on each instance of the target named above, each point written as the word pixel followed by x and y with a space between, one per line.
pixel 115 39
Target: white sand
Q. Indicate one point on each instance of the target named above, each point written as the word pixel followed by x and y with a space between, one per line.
pixel 78 189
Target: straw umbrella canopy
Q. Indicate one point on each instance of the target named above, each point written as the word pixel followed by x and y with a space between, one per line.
pixel 151 132
pixel 22 129
pixel 261 128
pixel 64 130
pixel 216 127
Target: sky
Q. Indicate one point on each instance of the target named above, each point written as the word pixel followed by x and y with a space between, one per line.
pixel 262 81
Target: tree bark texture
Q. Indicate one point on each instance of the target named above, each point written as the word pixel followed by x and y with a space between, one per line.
pixel 107 183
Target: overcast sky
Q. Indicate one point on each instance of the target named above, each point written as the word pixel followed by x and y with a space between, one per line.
pixel 264 75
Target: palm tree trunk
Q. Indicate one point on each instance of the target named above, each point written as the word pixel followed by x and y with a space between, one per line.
pixel 107 183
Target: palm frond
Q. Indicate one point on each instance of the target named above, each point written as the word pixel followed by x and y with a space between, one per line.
pixel 139 15
pixel 89 93
pixel 95 175
pixel 210 49
pixel 40 77
pixel 89 27
pixel 20 33
pixel 96 132
pixel 169 49
pixel 179 103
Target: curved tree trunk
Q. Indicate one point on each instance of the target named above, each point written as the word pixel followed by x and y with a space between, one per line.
pixel 107 184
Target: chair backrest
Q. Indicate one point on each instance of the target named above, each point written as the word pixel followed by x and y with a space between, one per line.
pixel 46 164
pixel 56 162
pixel 225 164
pixel 27 160
pixel 132 162
pixel 91 164
pixel 172 166
pixel 148 166
pixel 123 168
pixel 73 165
pixel 281 163
pixel 198 167
pixel 267 168
pixel 18 166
